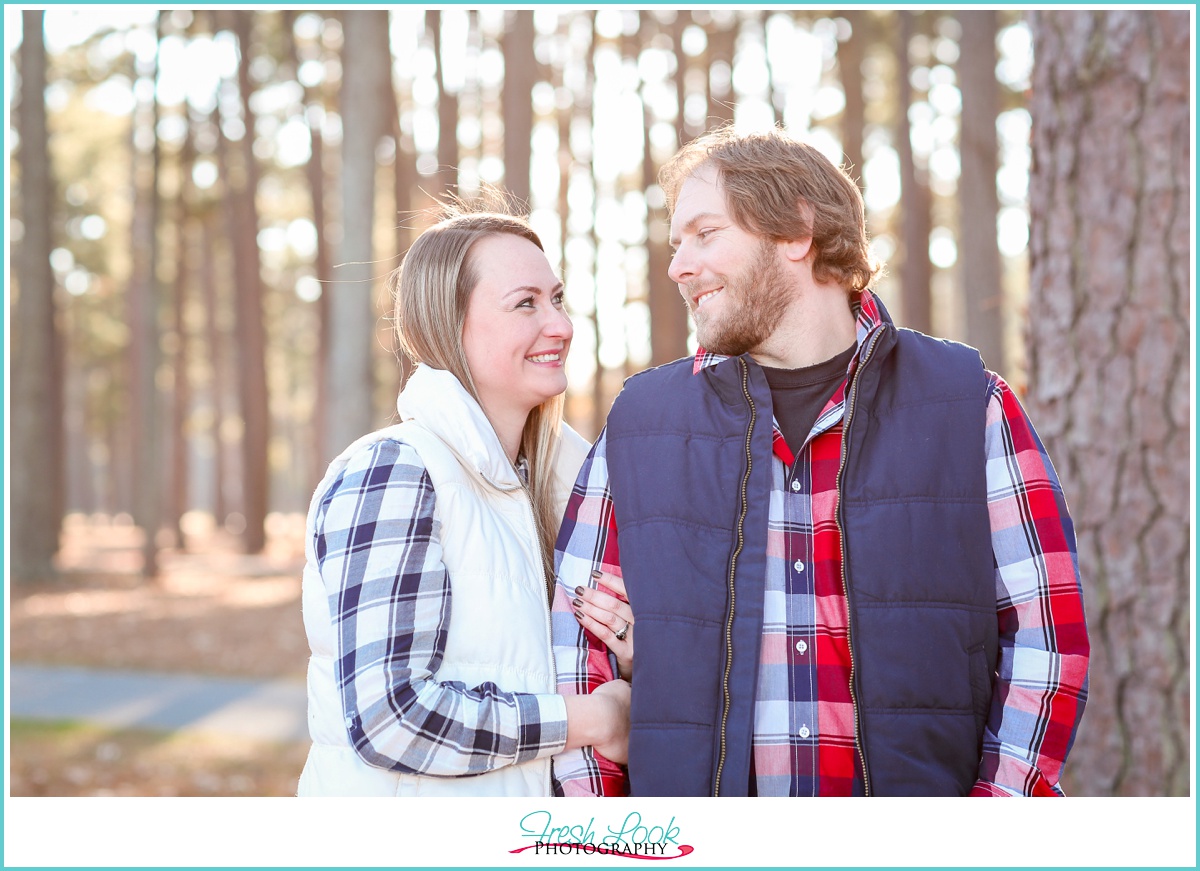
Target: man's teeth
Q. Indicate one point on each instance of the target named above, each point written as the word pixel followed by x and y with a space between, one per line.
pixel 700 300
pixel 544 358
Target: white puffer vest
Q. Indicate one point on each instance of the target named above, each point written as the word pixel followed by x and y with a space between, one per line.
pixel 500 624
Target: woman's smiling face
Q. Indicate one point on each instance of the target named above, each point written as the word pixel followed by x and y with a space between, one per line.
pixel 516 334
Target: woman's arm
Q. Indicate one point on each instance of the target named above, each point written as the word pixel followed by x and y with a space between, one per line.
pixel 379 554
pixel 586 542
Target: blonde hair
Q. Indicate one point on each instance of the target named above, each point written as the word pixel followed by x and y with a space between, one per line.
pixel 431 290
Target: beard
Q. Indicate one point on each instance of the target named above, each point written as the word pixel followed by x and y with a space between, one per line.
pixel 755 302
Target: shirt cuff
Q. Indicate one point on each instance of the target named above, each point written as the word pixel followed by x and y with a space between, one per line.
pixel 543 725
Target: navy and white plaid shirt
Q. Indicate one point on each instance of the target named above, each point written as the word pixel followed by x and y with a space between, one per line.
pixel 379 553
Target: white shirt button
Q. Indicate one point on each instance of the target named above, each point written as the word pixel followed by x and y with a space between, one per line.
pixel 795 486
pixel 802 646
pixel 798 565
pixel 804 733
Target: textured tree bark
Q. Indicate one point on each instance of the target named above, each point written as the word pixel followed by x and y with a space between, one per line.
pixel 978 202
pixel 1110 305
pixel 35 519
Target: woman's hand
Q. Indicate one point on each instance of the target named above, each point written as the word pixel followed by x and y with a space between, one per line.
pixel 605 612
pixel 616 746
pixel 601 720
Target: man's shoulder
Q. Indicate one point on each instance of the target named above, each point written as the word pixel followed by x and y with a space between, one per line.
pixel 658 379
pixel 920 350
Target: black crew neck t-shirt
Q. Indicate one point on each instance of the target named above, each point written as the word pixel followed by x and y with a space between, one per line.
pixel 799 395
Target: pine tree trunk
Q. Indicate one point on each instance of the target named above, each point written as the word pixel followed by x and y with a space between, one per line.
pixel 447 174
pixel 36 419
pixel 1110 306
pixel 850 55
pixel 668 315
pixel 249 326
pixel 145 334
pixel 365 84
pixel 181 400
pixel 520 75
pixel 979 204
pixel 915 269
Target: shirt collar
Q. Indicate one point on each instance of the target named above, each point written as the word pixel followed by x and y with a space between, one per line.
pixel 867 318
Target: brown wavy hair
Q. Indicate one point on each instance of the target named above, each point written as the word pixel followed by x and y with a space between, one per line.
pixel 783 189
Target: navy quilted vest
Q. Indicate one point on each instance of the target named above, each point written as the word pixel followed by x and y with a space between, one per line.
pixel 689 462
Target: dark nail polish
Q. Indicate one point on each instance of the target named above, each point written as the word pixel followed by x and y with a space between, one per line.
pixel 579 591
pixel 578 616
pixel 596 573
pixel 578 603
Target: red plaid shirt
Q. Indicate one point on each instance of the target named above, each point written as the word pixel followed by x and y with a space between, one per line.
pixel 804 738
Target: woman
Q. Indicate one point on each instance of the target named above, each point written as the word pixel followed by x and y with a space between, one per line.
pixel 430 543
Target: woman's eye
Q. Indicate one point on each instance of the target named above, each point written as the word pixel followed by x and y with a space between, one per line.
pixel 527 302
pixel 558 299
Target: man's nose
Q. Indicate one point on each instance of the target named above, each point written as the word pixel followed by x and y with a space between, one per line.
pixel 681 268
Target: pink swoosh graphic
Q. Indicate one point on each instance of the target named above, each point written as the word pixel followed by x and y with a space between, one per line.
pixel 684 850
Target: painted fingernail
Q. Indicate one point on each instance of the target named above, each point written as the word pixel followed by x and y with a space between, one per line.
pixel 579 591
pixel 596 573
pixel 578 603
pixel 578 615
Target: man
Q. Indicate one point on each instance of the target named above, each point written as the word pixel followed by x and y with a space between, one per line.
pixel 847 555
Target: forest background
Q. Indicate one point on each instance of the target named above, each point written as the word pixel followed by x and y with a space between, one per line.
pixel 204 206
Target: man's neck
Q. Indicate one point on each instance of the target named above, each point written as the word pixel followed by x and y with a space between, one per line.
pixel 817 326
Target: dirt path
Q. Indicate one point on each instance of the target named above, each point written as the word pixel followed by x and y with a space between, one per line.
pixel 212 611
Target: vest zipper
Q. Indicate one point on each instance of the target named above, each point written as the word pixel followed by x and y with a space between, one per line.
pixel 741 539
pixel 858 743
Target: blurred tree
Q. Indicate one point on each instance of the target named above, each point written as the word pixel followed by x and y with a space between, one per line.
pixel 668 315
pixel 979 203
pixel 446 179
pixel 520 74
pixel 722 39
pixel 850 54
pixel 683 18
pixel 404 187
pixel 314 114
pixel 145 330
pixel 366 87
pixel 249 327
pixel 37 418
pixel 1109 341
pixel 178 492
pixel 915 268
pixel 217 341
